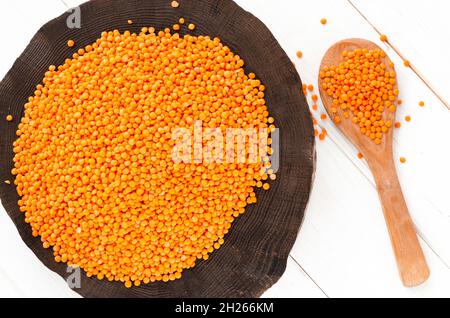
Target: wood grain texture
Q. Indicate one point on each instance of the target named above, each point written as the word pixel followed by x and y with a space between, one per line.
pixel 409 255
pixel 255 252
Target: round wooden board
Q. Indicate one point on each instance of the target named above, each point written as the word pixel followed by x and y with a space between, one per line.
pixel 255 252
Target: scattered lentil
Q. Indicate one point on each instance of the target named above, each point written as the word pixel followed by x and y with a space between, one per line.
pixel 305 89
pixel 323 134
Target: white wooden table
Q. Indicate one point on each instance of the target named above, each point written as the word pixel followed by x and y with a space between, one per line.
pixel 343 249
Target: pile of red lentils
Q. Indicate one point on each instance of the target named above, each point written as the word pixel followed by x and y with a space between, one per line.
pixel 93 158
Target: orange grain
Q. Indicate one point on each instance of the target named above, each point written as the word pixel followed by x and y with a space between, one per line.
pixel 362 90
pixel 305 89
pixel 95 172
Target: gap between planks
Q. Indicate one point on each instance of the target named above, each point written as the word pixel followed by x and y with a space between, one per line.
pixel 65 4
pixel 308 276
pixel 397 51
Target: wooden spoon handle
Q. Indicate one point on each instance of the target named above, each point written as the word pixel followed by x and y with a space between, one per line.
pixel 410 259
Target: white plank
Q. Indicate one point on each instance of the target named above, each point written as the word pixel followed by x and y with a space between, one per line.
pixel 420 31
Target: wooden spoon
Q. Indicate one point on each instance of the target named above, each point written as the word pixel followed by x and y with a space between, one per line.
pixel 410 259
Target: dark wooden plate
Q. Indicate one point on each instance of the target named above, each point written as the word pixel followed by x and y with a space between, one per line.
pixel 256 250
